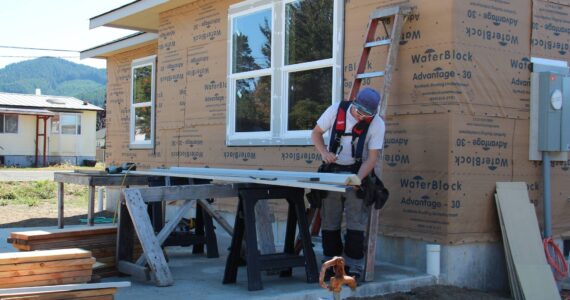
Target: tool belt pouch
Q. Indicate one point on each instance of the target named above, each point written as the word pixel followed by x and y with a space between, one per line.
pixel 315 196
pixel 373 191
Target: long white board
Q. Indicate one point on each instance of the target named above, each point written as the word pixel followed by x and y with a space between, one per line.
pixel 263 179
pixel 331 178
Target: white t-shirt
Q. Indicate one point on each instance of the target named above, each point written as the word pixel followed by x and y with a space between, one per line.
pixel 374 136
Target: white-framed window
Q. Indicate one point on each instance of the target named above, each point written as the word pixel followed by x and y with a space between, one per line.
pixel 66 123
pixel 284 70
pixel 8 123
pixel 142 124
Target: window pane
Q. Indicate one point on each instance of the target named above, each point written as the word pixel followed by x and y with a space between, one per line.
pixel 142 84
pixel 55 124
pixel 310 93
pixel 1 123
pixel 68 124
pixel 142 124
pixel 78 124
pixel 252 42
pixel 308 32
pixel 253 104
pixel 11 123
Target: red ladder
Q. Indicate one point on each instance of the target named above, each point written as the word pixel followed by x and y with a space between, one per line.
pixel 398 14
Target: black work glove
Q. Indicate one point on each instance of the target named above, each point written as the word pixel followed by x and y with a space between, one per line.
pixel 373 191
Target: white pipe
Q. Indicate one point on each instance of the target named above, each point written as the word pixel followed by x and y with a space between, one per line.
pixel 433 252
pixel 100 199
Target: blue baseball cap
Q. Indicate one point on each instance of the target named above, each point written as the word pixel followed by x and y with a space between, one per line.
pixel 367 101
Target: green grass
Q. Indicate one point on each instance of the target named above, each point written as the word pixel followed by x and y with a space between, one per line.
pixel 35 193
pixel 60 167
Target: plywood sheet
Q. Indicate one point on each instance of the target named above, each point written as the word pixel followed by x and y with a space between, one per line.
pixel 550 30
pixel 474 58
pixel 520 222
pixel 537 282
pixel 481 145
pixel 416 143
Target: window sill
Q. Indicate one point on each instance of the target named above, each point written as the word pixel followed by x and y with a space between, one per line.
pixel 141 146
pixel 269 142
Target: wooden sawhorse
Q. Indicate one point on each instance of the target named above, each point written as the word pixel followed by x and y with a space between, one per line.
pixel 134 217
pixel 245 225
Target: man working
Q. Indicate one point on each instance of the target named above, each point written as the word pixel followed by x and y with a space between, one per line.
pixel 354 127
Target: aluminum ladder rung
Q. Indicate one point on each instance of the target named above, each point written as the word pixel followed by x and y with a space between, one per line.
pixel 378 43
pixel 370 75
pixel 390 11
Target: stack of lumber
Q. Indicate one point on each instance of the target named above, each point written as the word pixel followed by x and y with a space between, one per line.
pixel 530 276
pixel 100 240
pixel 99 291
pixel 46 267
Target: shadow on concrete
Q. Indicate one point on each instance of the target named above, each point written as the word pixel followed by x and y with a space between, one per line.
pixel 44 222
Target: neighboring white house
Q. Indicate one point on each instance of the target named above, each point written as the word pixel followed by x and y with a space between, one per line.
pixel 42 129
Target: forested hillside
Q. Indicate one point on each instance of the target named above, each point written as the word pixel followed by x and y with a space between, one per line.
pixel 55 76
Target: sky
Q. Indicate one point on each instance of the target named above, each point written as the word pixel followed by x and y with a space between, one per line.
pixel 54 24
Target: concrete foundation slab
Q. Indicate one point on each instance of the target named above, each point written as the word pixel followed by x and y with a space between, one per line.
pixel 199 277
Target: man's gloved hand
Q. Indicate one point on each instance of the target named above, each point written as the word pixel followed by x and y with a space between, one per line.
pixel 372 191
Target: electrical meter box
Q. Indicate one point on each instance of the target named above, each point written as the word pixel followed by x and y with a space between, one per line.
pixel 553 112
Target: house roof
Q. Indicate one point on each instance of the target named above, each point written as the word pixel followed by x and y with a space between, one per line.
pixel 120 45
pixel 26 111
pixel 140 15
pixel 52 103
pixel 101 133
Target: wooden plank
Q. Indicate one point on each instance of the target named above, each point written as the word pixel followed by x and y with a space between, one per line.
pixel 48 276
pixel 532 278
pixel 100 180
pixel 513 279
pixel 66 177
pixel 521 224
pixel 149 242
pixel 187 192
pixel 57 281
pixel 537 282
pixel 372 235
pixel 47 264
pixel 263 222
pixel 102 297
pixel 29 272
pixel 135 270
pixel 50 234
pixel 170 226
pixel 98 239
pixel 66 294
pixel 60 196
pixel 286 183
pixel 62 288
pixel 328 178
pixel 90 205
pixel 216 216
pixel 39 256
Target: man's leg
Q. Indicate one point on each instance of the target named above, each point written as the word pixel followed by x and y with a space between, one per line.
pixel 331 214
pixel 356 221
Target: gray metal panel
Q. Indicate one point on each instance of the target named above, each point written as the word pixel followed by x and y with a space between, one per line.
pixel 539 68
pixel 565 128
pixel 550 120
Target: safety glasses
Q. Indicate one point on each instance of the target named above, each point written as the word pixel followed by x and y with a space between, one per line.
pixel 361 111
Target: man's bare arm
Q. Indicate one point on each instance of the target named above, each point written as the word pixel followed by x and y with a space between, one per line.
pixel 319 142
pixel 368 165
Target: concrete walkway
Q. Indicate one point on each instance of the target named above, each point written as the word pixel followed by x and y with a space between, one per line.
pixel 9 175
pixel 198 277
